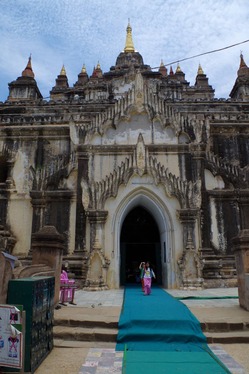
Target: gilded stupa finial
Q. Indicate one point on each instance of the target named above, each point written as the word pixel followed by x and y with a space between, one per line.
pixel 178 68
pixel 63 70
pixel 129 46
pixel 83 70
pixel 200 70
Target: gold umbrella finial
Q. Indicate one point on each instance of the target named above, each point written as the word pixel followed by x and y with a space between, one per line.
pixel 129 46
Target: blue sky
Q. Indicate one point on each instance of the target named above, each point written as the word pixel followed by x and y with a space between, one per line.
pixel 77 32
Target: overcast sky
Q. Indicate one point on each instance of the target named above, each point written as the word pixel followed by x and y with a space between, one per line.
pixel 77 32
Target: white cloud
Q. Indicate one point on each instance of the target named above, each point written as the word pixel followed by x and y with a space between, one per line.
pixel 74 32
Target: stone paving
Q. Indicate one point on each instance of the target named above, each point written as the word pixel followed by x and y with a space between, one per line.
pixel 115 297
pixel 103 361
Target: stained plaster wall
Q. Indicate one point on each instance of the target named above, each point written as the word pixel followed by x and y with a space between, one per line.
pixel 19 215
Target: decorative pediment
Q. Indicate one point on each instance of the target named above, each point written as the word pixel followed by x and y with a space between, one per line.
pixel 188 193
pixel 142 99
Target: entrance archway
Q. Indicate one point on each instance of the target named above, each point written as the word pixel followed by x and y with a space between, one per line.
pixel 139 241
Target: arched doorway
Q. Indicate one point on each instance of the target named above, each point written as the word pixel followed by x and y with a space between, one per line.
pixel 139 241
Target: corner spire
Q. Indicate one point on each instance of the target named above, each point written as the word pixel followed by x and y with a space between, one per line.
pixel 242 62
pixel 178 68
pixel 28 71
pixel 200 70
pixel 129 46
pixel 63 70
pixel 83 70
pixel 163 69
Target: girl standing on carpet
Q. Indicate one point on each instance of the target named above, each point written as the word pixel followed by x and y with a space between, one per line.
pixel 147 277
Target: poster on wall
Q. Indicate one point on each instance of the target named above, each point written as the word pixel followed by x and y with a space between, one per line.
pixel 11 337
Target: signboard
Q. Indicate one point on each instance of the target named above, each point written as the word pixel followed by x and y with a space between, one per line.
pixel 11 337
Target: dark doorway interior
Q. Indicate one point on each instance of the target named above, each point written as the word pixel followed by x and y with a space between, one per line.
pixel 139 241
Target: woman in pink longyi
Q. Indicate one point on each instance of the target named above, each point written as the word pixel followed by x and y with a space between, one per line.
pixel 147 277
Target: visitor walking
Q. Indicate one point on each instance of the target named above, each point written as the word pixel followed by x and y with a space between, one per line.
pixel 148 274
pixel 141 268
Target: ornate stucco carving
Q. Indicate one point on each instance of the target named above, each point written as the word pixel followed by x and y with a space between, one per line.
pixel 52 173
pixel 187 192
pixel 141 98
pixel 233 173
pixel 140 155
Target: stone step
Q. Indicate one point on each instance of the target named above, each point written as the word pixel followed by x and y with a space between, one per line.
pixel 95 321
pixel 85 334
pixel 224 326
pixel 93 335
pixel 231 337
pixel 60 343
pixel 87 322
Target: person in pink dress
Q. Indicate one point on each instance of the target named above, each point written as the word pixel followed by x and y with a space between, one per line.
pixel 148 274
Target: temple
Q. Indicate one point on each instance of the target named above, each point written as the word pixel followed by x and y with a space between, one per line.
pixel 129 165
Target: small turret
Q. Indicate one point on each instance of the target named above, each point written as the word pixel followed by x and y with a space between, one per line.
pixel 171 72
pixel 163 69
pixel 82 77
pixel 97 72
pixel 61 84
pixel 203 89
pixel 28 71
pixel 24 87
pixel 240 89
pixel 180 76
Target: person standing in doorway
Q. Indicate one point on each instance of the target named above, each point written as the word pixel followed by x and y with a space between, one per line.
pixel 141 268
pixel 148 274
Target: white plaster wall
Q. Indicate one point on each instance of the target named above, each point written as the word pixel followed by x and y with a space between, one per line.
pixel 142 191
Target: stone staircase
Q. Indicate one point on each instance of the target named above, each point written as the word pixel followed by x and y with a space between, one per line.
pixel 226 332
pixel 94 326
pixel 99 327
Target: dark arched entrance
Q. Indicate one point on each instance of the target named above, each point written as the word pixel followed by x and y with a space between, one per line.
pixel 139 241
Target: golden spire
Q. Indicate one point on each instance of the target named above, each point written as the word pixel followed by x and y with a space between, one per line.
pixel 83 70
pixel 63 70
pixel 200 70
pixel 129 46
pixel 98 65
pixel 178 69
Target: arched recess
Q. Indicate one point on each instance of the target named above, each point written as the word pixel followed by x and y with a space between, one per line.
pixel 157 209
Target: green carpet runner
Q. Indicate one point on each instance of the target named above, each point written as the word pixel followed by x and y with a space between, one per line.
pixel 159 333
